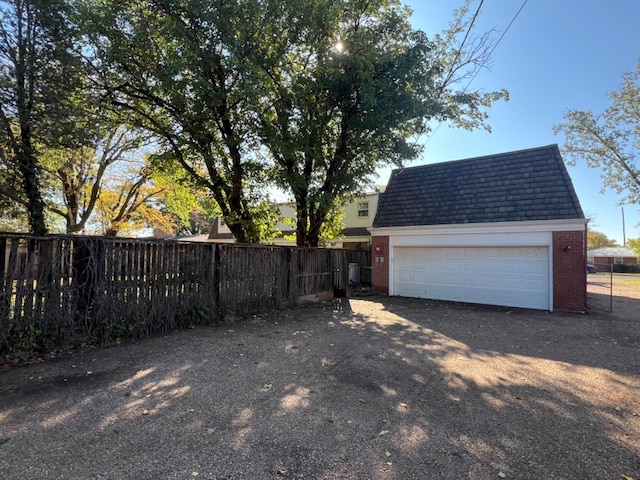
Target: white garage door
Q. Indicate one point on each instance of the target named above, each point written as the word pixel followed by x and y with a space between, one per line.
pixel 510 276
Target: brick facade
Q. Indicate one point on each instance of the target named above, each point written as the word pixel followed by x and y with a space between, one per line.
pixel 380 264
pixel 569 270
pixel 611 260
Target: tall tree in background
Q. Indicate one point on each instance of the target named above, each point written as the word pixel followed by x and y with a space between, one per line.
pixel 191 206
pixel 39 70
pixel 129 201
pixel 76 175
pixel 599 239
pixel 347 87
pixel 175 68
pixel 610 140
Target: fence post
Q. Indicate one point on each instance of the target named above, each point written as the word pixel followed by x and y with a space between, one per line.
pixel 215 267
pixel 285 276
pixel 340 268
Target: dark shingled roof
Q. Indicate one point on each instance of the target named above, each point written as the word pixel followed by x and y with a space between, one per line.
pixel 356 232
pixel 517 186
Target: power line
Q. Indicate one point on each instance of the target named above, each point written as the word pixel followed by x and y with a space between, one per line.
pixel 497 43
pixel 485 60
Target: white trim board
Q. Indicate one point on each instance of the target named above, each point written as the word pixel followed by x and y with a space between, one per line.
pixel 482 228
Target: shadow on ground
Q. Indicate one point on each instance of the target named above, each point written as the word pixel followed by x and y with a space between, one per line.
pixel 385 388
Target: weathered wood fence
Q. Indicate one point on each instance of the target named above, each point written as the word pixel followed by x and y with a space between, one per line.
pixel 57 291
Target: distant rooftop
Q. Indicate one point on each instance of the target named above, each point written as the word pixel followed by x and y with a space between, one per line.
pixel 611 252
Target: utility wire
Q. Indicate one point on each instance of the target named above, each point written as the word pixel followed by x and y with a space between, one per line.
pixel 496 44
pixel 485 60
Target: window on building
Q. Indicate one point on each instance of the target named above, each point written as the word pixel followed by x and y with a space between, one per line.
pixel 617 260
pixel 363 209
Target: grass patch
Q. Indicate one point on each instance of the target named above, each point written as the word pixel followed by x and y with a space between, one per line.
pixel 629 280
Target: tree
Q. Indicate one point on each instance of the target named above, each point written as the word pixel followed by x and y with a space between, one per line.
pixel 635 244
pixel 346 87
pixel 598 240
pixel 322 91
pixel 610 140
pixel 131 201
pixel 13 213
pixel 189 205
pixel 76 175
pixel 39 70
pixel 330 231
pixel 175 68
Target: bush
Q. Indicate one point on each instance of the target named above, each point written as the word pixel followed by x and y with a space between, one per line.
pixel 626 268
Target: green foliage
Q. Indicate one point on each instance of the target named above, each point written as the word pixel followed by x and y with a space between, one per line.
pixel 626 268
pixel 40 72
pixel 175 69
pixel 346 88
pixel 610 140
pixel 313 95
pixel 635 244
pixel 331 229
pixel 28 341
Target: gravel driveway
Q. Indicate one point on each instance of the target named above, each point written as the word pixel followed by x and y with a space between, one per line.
pixel 381 388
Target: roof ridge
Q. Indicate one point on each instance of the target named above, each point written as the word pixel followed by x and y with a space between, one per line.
pixel 494 155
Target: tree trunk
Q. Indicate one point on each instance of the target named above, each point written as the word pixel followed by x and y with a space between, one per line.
pixel 24 88
pixel 302 219
pixel 27 165
pixel 315 225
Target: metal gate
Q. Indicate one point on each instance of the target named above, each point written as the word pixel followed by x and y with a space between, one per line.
pixel 600 287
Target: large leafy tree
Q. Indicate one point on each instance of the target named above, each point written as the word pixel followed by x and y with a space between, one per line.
pixel 175 68
pixel 610 140
pixel 346 87
pixel 40 70
pixel 75 175
pixel 130 201
pixel 328 91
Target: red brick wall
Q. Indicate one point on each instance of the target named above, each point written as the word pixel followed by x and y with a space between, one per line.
pixel 380 264
pixel 610 260
pixel 569 270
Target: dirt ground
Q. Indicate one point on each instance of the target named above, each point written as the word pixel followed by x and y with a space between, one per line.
pixel 374 388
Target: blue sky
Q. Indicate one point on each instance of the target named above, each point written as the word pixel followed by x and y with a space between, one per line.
pixel 557 56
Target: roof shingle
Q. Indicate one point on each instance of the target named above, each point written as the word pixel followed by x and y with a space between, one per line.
pixel 516 186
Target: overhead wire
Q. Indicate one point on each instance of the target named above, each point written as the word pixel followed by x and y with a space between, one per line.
pixel 486 59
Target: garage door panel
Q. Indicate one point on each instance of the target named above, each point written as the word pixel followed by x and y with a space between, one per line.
pixel 508 276
pixel 511 268
pixel 491 267
pixel 491 282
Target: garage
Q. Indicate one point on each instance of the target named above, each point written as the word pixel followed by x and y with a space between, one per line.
pixel 504 229
pixel 510 276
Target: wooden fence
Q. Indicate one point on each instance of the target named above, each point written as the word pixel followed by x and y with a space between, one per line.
pixel 58 291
